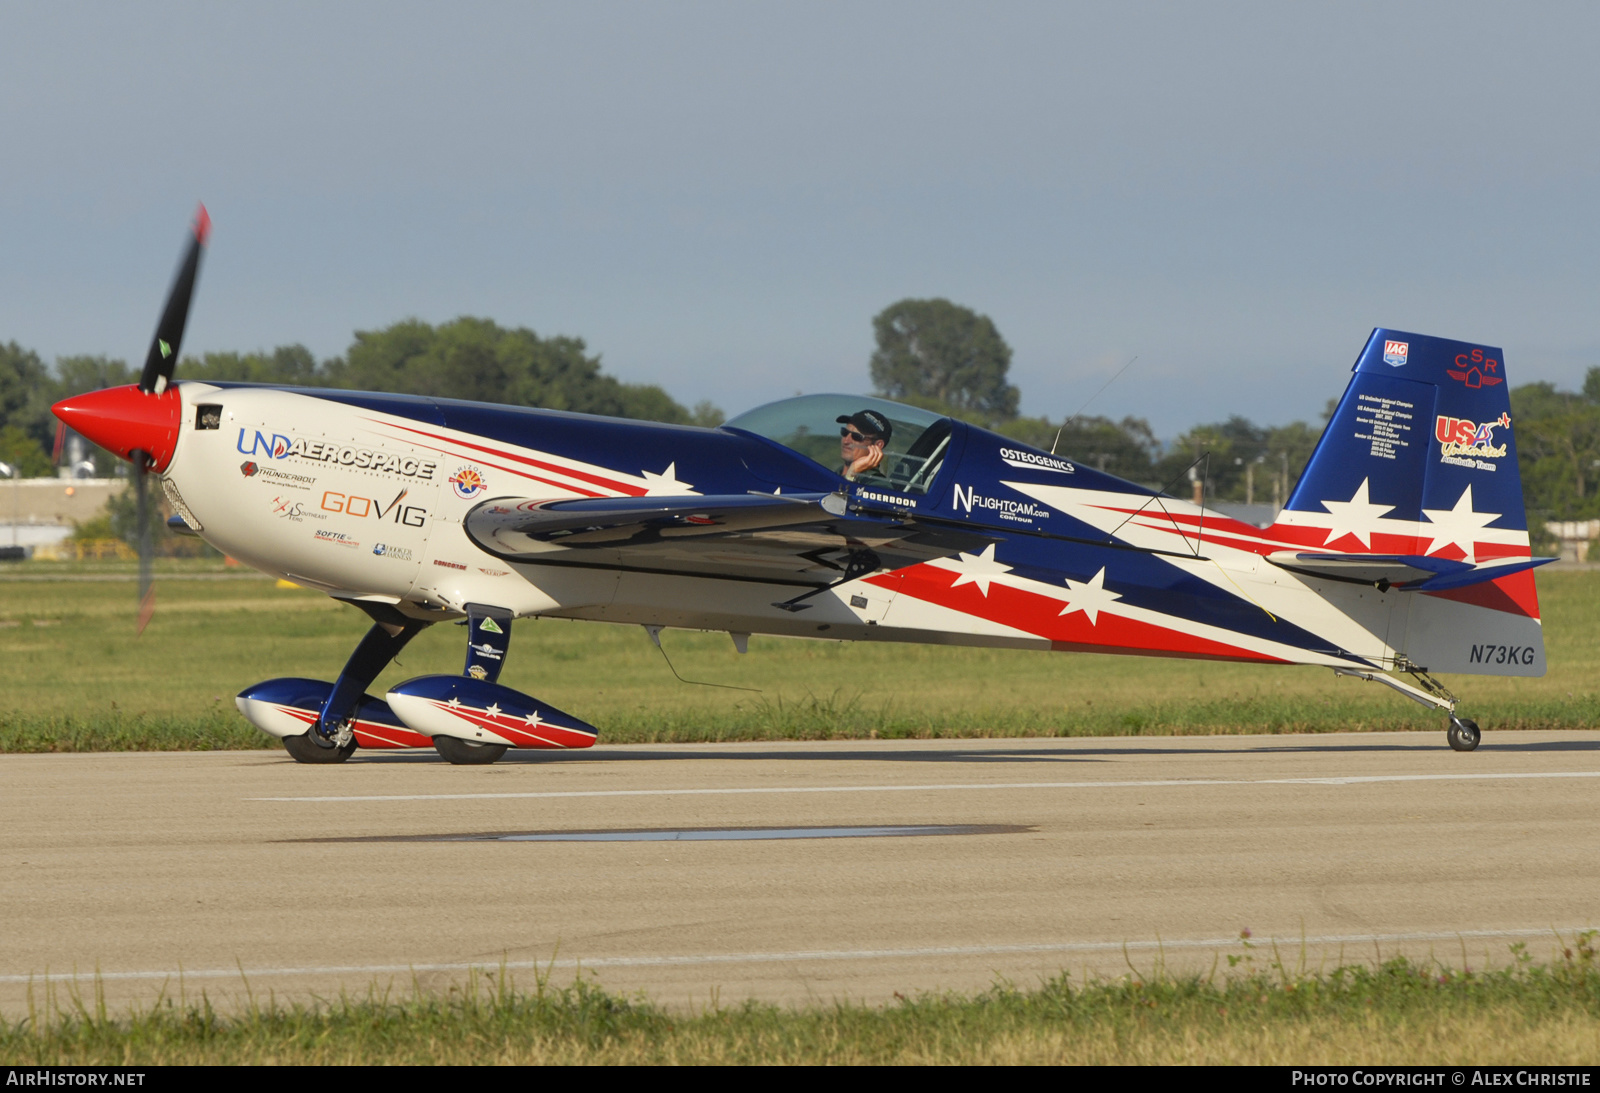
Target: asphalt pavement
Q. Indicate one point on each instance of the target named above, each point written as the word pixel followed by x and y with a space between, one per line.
pixel 792 872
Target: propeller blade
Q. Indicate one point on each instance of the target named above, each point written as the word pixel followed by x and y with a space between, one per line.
pixel 163 353
pixel 147 592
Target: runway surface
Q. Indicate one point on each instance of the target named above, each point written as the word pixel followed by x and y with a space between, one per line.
pixel 691 869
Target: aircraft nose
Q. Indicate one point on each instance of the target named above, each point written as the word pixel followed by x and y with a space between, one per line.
pixel 125 419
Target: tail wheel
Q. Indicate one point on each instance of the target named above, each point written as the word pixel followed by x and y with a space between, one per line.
pixel 1464 735
pixel 305 751
pixel 467 753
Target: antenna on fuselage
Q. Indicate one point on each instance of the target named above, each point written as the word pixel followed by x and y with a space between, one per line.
pixel 1085 406
pixel 655 635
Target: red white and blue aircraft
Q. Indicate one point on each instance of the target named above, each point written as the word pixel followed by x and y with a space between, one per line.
pixel 1403 551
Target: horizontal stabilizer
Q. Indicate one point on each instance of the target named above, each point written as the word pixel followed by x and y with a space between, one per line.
pixel 1406 572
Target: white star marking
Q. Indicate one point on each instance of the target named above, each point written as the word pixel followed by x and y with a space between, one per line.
pixel 1356 516
pixel 533 720
pixel 454 702
pixel 1459 525
pixel 665 484
pixel 979 569
pixel 1090 597
pixel 493 710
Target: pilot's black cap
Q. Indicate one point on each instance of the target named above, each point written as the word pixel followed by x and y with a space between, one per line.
pixel 868 422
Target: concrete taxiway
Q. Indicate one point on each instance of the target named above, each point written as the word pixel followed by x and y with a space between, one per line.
pixel 1033 856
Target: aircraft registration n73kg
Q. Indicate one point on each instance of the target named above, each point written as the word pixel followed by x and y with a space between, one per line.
pixel 1402 552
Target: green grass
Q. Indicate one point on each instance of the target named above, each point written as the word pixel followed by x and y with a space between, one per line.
pixel 1395 1012
pixel 76 678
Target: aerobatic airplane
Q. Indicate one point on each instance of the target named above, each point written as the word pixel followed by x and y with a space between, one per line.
pixel 1402 552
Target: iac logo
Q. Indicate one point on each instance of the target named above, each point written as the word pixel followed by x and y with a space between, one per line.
pixel 1395 353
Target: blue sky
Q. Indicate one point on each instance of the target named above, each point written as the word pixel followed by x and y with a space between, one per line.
pixel 718 197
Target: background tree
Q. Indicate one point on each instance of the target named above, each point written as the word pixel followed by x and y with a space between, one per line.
pixel 26 392
pixel 1558 448
pixel 288 365
pixel 478 359
pixel 944 356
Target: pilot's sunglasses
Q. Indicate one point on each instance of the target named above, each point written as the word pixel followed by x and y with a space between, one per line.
pixel 857 437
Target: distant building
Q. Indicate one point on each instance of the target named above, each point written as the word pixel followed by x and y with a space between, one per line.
pixel 41 512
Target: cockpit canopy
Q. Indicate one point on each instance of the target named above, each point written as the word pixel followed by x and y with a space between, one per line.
pixel 809 425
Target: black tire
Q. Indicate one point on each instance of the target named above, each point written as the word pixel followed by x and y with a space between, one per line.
pixel 467 753
pixel 305 750
pixel 1464 735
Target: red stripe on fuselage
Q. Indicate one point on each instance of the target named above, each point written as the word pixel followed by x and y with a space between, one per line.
pixel 583 476
pixel 1041 615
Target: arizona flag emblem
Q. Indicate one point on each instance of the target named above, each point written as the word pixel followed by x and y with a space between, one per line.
pixel 1394 353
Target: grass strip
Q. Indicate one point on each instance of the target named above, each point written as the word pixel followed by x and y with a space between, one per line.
pixel 75 677
pixel 1397 1012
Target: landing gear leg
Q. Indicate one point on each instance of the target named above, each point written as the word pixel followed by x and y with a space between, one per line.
pixel 488 638
pixel 1463 734
pixel 331 739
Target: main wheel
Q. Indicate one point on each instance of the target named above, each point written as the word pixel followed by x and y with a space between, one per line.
pixel 467 753
pixel 1464 734
pixel 305 750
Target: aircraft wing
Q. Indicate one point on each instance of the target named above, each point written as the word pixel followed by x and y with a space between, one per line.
pixel 811 539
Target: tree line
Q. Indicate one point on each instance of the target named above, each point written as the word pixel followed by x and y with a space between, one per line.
pixel 946 357
pixel 929 352
pixel 469 358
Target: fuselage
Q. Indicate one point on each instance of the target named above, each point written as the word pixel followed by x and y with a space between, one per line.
pixel 366 496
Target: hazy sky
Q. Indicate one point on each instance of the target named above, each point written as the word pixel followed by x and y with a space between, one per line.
pixel 718 197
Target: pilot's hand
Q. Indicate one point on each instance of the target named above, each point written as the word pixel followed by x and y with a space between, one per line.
pixel 865 463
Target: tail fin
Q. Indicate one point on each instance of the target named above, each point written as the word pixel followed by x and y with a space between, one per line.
pixel 1419 461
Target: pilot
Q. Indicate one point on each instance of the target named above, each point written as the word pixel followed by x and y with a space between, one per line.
pixel 862 439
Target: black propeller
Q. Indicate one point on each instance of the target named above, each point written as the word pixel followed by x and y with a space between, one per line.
pixel 147 592
pixel 158 365
pixel 163 355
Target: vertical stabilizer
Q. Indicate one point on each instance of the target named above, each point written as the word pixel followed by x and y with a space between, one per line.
pixel 1420 459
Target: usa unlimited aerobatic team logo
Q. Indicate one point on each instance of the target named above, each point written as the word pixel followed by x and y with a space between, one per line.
pixel 1394 353
pixel 468 482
